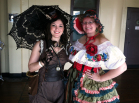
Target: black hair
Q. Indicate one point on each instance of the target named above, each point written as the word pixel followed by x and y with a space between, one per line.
pixel 64 36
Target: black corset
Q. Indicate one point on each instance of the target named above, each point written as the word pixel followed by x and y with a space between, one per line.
pixel 52 74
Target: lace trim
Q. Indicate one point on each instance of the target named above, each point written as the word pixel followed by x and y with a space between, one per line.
pixel 67 49
pixel 78 46
pixel 104 101
pixel 59 50
pixel 108 87
pixel 42 46
pixel 104 46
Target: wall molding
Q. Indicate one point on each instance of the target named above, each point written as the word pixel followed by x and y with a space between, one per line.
pixel 14 75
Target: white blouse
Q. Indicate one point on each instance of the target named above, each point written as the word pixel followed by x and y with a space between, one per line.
pixel 114 56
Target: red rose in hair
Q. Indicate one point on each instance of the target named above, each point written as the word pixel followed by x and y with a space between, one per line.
pixel 91 49
pixel 98 57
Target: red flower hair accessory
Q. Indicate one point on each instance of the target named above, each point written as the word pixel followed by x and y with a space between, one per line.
pixel 78 26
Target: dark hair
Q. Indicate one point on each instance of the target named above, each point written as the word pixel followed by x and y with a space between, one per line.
pixel 64 37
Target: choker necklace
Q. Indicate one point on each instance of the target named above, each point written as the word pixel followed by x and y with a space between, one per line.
pixel 56 44
pixel 90 38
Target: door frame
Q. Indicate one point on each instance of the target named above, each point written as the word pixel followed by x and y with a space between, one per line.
pixel 129 9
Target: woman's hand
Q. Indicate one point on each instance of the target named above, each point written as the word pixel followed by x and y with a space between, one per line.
pixel 93 76
pixel 109 75
pixel 49 56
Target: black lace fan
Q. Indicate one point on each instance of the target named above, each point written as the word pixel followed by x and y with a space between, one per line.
pixel 28 27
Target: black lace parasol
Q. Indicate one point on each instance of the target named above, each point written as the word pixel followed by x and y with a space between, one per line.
pixel 28 27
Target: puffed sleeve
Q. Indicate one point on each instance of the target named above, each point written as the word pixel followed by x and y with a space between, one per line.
pixel 77 46
pixel 115 57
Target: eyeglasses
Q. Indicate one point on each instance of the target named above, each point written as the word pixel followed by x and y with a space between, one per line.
pixel 89 23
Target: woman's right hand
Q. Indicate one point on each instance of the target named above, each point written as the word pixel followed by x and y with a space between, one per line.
pixel 48 58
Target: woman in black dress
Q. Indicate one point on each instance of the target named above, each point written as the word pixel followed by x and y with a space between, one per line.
pixel 49 56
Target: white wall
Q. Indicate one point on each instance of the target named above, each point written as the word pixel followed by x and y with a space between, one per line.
pixel 110 16
pixel 63 4
pixel 14 55
pixel 113 15
pixel 3 36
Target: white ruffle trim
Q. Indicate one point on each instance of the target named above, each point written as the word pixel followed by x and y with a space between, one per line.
pixel 81 58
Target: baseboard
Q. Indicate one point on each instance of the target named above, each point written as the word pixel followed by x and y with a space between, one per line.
pixel 14 75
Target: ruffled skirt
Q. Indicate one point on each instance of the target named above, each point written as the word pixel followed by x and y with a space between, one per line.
pixel 85 90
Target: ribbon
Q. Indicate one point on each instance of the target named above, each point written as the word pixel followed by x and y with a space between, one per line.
pixel 91 38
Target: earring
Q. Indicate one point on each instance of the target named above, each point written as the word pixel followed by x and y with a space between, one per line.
pixel 96 29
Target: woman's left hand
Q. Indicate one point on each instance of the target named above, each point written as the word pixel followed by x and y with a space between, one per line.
pixel 93 76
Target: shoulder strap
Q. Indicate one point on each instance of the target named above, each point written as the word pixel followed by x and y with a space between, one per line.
pixel 59 62
pixel 57 57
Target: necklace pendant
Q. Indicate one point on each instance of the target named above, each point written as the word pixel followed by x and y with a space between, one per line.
pixel 56 44
pixel 57 68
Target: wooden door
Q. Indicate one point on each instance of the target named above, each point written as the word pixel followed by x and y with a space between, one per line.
pixel 131 48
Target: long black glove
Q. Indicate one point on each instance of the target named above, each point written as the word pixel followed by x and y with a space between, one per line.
pixel 48 58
